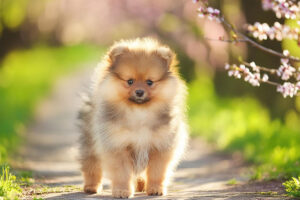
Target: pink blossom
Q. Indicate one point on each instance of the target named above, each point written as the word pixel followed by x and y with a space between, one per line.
pixel 277 31
pixel 285 70
pixel 298 85
pixel 298 76
pixel 282 8
pixel 242 70
pixel 227 66
pixel 209 12
pixel 286 52
pixel 254 67
pixel 234 71
pixel 253 79
pixel 267 4
pixel 265 78
pixel 288 89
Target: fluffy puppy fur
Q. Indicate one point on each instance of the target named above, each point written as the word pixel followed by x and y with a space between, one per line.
pixel 133 121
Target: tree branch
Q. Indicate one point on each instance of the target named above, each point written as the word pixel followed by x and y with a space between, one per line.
pixel 272 71
pixel 253 43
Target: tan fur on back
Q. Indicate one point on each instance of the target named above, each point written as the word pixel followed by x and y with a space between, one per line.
pixel 126 136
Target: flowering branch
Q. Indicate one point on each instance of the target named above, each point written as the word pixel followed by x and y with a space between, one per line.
pixel 251 73
pixel 221 39
pixel 214 14
pixel 259 68
pixel 268 50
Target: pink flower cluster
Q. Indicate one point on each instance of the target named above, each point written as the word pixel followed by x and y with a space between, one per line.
pixel 263 31
pixel 254 78
pixel 288 89
pixel 252 75
pixel 285 70
pixel 209 12
pixel 289 84
pixel 288 9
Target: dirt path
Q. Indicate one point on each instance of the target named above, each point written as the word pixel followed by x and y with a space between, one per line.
pixel 51 154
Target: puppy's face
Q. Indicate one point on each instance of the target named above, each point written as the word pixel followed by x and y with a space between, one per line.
pixel 141 78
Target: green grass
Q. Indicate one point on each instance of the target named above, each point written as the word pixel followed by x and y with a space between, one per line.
pixel 60 189
pixel 232 181
pixel 25 178
pixel 243 125
pixel 292 187
pixel 9 188
pixel 26 76
pixel 269 193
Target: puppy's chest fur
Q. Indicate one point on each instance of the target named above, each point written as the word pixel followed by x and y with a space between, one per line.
pixel 135 126
pixel 136 130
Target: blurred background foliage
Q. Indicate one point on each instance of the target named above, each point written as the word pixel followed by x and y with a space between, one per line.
pixel 42 40
pixel 26 77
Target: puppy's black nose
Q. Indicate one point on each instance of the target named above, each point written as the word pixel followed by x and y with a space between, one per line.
pixel 139 93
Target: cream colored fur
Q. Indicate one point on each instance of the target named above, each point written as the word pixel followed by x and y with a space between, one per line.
pixel 127 141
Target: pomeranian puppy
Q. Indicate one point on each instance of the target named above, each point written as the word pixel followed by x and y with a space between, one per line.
pixel 133 121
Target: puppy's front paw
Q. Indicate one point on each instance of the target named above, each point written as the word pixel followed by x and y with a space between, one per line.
pixel 91 189
pixel 155 190
pixel 121 193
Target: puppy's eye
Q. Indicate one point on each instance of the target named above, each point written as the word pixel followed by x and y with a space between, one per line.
pixel 149 82
pixel 130 81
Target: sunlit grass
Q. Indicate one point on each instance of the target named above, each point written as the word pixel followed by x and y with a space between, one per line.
pixel 232 182
pixel 9 188
pixel 25 178
pixel 292 187
pixel 242 124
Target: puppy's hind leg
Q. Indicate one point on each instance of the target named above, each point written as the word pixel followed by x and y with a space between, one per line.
pixel 90 162
pixel 92 174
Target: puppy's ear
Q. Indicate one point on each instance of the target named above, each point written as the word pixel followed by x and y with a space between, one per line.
pixel 166 54
pixel 117 51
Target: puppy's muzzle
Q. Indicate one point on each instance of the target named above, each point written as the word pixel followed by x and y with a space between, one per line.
pixel 139 97
pixel 139 93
